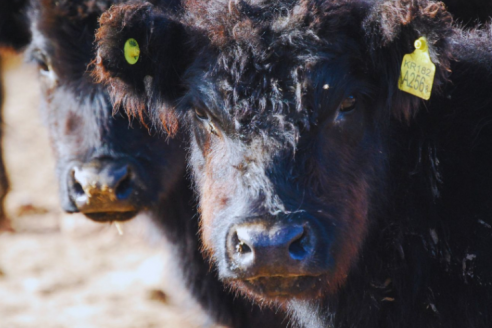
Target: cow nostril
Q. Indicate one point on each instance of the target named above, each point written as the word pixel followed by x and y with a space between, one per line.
pixel 240 246
pixel 77 188
pixel 298 247
pixel 124 188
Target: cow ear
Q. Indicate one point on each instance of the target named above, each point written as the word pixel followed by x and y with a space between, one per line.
pixel 141 56
pixel 391 28
pixel 14 25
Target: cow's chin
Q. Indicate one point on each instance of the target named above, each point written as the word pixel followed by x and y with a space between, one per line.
pixel 111 216
pixel 282 288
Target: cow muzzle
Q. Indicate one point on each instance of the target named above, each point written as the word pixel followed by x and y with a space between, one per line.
pixel 104 190
pixel 276 260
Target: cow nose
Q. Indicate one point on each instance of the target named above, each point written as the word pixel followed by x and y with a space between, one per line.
pixel 103 187
pixel 255 250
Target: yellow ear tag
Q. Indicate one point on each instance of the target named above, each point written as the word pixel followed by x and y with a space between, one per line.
pixel 417 71
pixel 132 51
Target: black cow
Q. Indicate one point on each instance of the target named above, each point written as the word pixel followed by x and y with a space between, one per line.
pixel 323 187
pixel 110 168
pixel 13 36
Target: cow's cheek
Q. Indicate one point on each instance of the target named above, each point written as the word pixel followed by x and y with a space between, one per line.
pixel 211 203
pixel 349 239
pixel 347 186
pixel 216 189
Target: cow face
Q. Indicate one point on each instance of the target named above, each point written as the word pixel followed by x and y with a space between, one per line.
pixel 285 191
pixel 289 106
pixel 289 121
pixel 108 168
pixel 285 151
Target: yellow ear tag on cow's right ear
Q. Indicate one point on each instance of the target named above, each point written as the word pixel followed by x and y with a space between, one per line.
pixel 417 71
pixel 132 51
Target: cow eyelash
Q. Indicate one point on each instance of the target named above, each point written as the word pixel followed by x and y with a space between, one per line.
pixel 201 115
pixel 41 61
pixel 43 66
pixel 348 104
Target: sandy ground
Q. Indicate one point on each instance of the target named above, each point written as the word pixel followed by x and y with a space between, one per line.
pixel 60 270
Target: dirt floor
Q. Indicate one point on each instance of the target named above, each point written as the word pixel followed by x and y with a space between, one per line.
pixel 60 270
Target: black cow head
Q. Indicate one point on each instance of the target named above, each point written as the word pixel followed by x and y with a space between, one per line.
pixel 108 167
pixel 289 105
pixel 288 126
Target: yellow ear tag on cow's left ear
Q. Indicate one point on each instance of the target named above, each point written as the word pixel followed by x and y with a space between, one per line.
pixel 417 71
pixel 132 51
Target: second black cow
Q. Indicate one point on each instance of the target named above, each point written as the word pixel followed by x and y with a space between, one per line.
pixel 111 169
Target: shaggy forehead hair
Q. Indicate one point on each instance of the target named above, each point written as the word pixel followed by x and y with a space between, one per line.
pixel 64 30
pixel 265 50
pixel 252 23
pixel 69 26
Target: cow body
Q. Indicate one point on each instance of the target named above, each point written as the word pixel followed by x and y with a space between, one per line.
pixel 324 188
pixel 111 168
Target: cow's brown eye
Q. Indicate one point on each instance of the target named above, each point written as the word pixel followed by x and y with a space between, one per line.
pixel 200 114
pixel 43 66
pixel 348 104
pixel 41 61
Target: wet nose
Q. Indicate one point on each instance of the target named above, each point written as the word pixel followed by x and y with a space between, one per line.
pixel 102 187
pixel 256 250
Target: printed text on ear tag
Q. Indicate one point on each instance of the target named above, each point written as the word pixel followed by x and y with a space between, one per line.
pixel 417 71
pixel 132 51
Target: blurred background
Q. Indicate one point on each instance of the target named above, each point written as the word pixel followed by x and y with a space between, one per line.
pixel 60 270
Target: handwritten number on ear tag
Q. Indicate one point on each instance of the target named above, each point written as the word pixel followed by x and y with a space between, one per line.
pixel 132 51
pixel 417 71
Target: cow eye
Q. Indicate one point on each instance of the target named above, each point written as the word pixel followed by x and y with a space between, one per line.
pixel 43 67
pixel 201 115
pixel 41 61
pixel 348 104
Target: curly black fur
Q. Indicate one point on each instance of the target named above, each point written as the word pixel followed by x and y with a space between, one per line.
pixel 400 186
